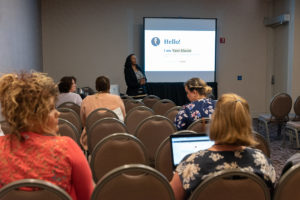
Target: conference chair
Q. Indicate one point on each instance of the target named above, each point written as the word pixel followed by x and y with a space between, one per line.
pixel 171 113
pixel 102 128
pixel 262 145
pixel 288 185
pixel 280 107
pixel 232 184
pixel 200 125
pixel 163 159
pixel 71 116
pixel 66 128
pixel 296 115
pixel 5 127
pixel 292 127
pixel 40 190
pixel 125 98
pixel 150 100
pixel 152 131
pixel 132 103
pixel 114 151
pixel 97 114
pixel 135 116
pixel 72 106
pixel 133 182
pixel 162 106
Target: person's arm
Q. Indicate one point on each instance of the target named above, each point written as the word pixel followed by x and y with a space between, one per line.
pixel 131 80
pixel 122 107
pixel 82 113
pixel 181 119
pixel 177 187
pixel 81 173
pixel 78 100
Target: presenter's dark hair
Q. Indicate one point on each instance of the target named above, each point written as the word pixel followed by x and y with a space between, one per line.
pixel 102 84
pixel 65 84
pixel 199 85
pixel 128 62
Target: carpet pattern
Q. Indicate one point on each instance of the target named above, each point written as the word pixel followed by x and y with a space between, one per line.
pixel 279 153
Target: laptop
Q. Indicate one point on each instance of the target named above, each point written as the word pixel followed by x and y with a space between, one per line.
pixel 182 145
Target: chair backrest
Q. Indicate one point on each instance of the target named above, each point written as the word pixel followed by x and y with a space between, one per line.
pixel 199 126
pixel 162 106
pixel 131 103
pixel 102 128
pixel 280 106
pixel 288 185
pixel 262 145
pixel 150 100
pixel 152 131
pixel 125 98
pixel 71 105
pixel 135 116
pixel 5 127
pixel 232 185
pixel 66 128
pixel 171 113
pixel 114 151
pixel 41 190
pixel 163 159
pixel 71 116
pixel 297 109
pixel 97 114
pixel 133 182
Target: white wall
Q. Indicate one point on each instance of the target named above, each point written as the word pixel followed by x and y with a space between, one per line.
pixel 88 38
pixel 20 35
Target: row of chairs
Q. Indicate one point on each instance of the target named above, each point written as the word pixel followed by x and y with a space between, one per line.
pixel 122 148
pixel 137 181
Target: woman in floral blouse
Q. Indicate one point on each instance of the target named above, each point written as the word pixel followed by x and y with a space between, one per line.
pixel 200 106
pixel 231 130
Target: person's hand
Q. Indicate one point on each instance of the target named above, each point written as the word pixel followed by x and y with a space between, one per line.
pixel 143 81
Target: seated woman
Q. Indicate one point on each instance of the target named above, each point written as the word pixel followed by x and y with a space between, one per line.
pixel 200 106
pixel 67 87
pixel 102 99
pixel 33 150
pixel 230 129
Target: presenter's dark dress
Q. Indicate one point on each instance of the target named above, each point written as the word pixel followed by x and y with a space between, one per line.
pixel 133 86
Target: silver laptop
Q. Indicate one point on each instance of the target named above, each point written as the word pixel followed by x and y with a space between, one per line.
pixel 182 145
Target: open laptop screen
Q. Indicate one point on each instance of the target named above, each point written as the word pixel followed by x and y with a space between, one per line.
pixel 182 145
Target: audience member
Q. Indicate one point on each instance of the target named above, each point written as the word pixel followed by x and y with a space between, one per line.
pixel 33 150
pixel 200 106
pixel 134 77
pixel 102 99
pixel 67 89
pixel 230 129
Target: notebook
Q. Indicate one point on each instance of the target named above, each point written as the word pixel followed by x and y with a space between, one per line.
pixel 182 145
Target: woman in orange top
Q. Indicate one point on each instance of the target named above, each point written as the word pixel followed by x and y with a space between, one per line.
pixel 102 99
pixel 33 150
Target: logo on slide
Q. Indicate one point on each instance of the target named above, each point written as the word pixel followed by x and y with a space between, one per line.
pixel 155 41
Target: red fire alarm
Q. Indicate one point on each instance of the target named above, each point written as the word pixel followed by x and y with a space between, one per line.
pixel 222 40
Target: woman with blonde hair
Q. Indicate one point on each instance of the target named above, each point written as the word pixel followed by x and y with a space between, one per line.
pixel 231 131
pixel 200 107
pixel 32 149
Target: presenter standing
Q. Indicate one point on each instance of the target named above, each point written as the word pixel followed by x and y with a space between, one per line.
pixel 134 77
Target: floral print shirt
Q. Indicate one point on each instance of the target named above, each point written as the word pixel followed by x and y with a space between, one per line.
pixel 194 168
pixel 193 111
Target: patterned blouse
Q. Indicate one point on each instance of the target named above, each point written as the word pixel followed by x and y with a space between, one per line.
pixel 193 111
pixel 56 159
pixel 196 167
